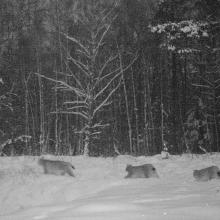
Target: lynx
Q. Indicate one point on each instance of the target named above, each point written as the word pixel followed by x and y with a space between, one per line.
pixel 56 167
pixel 206 174
pixel 142 171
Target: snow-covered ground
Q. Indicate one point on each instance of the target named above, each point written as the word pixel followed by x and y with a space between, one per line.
pixel 100 192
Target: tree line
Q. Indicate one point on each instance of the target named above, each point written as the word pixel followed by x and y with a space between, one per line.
pixel 108 77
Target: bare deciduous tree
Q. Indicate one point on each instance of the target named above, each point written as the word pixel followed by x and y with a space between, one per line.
pixel 93 70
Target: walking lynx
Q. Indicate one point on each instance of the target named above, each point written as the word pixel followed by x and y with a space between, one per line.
pixel 56 167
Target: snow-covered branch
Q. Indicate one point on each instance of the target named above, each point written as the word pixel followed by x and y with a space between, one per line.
pixel 175 32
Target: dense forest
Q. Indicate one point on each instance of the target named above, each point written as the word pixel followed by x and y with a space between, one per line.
pixel 108 77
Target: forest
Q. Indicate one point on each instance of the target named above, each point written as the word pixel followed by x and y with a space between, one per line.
pixel 109 77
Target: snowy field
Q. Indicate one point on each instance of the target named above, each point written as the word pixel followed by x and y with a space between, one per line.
pixel 100 192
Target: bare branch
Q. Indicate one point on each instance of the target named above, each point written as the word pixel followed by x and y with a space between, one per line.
pixel 61 87
pixel 73 75
pixel 99 125
pixel 62 73
pixel 131 63
pixel 95 133
pixel 71 88
pixel 211 84
pixel 107 14
pixel 99 30
pixel 77 42
pixel 99 80
pixel 106 86
pixel 84 53
pixel 75 102
pixel 106 64
pixel 107 103
pixel 75 107
pixel 209 94
pixel 72 113
pixel 103 36
pixel 216 87
pixel 203 86
pixel 80 65
pixel 103 103
pixel 127 67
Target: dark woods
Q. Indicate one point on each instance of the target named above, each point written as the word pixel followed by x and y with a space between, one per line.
pixel 106 77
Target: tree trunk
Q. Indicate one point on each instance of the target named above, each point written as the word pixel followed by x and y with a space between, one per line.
pixel 126 104
pixel 174 101
pixel 136 114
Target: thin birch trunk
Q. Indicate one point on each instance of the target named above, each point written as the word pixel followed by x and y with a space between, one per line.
pixel 161 107
pixel 136 114
pixel 27 130
pixel 146 144
pixel 56 120
pixel 162 122
pixel 126 103
pixel 216 125
pixel 175 113
pixel 41 115
pixel 151 118
pixel 147 108
pixel 152 128
pixel 57 133
pixel 42 119
pixel 65 95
